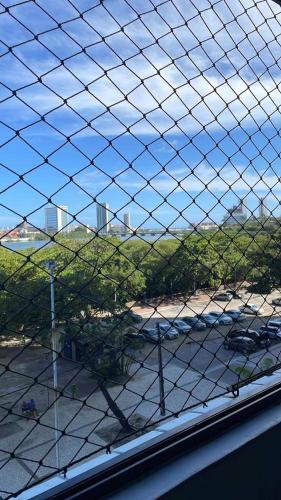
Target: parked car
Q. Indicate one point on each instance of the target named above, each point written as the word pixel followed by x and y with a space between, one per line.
pixel 181 326
pixel 272 332
pixel 129 314
pixel 151 335
pixel 208 319
pixel 242 344
pixel 251 309
pixel 223 318
pixel 225 297
pixel 168 331
pixel 260 339
pixel 277 301
pixel 275 322
pixel 234 293
pixel 134 335
pixel 236 315
pixel 195 323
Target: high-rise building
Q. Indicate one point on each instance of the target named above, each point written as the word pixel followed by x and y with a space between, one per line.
pixel 127 222
pixel 236 214
pixel 263 209
pixel 56 219
pixel 102 218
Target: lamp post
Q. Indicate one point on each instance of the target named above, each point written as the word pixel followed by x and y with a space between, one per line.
pixel 160 373
pixel 115 285
pixel 52 267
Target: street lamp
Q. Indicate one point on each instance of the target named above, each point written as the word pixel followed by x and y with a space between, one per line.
pixel 51 266
pixel 115 285
pixel 160 373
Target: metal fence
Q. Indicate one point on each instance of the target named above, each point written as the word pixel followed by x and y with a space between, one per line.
pixel 140 218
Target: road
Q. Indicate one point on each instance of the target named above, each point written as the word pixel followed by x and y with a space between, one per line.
pixel 207 357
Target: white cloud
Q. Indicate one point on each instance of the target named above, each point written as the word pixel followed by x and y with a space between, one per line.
pixel 199 179
pixel 189 90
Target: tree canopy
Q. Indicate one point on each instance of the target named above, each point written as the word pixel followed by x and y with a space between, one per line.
pixel 104 274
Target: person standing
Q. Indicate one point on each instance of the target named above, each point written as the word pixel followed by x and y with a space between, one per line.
pixel 33 409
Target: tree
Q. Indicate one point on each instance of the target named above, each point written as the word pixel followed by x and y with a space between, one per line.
pixel 103 353
pixel 87 274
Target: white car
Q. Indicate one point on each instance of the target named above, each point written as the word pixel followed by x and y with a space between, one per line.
pixel 181 326
pixel 251 309
pixel 168 331
pixel 222 317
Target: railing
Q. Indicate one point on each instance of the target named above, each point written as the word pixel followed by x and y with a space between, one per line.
pixel 139 158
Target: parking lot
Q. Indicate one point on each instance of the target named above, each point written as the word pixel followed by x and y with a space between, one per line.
pixel 203 351
pixel 203 303
pixel 196 367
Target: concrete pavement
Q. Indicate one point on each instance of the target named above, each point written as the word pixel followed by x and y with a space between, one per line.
pixel 195 368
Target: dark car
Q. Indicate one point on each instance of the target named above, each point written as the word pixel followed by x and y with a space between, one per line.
pixel 272 332
pixel 236 315
pixel 225 297
pixel 134 336
pixel 234 293
pixel 195 323
pixel 130 315
pixel 242 344
pixel 275 322
pixel 260 339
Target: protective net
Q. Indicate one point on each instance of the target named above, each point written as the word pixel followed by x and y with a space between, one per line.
pixel 140 218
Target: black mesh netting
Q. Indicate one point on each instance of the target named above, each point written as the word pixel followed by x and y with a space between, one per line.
pixel 139 218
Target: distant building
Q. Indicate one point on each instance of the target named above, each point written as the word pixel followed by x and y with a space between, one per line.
pixel 81 228
pixel 116 228
pixel 102 218
pixel 56 219
pixel 263 209
pixel 202 225
pixel 28 230
pixel 236 214
pixel 127 223
pixel 206 226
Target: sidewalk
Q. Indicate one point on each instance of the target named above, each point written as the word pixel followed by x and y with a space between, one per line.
pixel 91 419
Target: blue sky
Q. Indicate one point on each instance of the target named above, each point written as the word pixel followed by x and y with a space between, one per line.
pixel 102 113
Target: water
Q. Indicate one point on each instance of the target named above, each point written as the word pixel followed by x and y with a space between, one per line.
pixel 36 244
pixel 23 245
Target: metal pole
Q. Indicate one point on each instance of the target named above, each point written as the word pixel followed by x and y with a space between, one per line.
pixel 161 378
pixel 51 266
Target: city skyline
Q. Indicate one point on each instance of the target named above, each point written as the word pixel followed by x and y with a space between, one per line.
pixel 163 213
pixel 106 220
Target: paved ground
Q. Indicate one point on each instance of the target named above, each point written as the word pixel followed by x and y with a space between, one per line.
pixel 195 368
pixel 203 303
